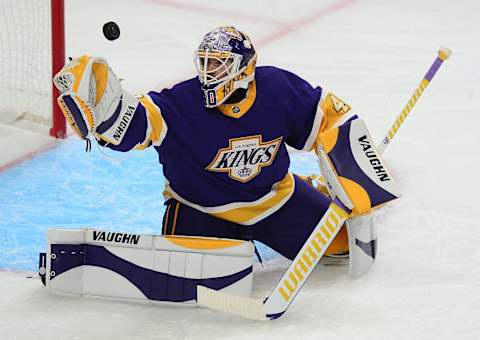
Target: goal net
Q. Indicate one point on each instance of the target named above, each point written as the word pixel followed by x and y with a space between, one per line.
pixel 31 49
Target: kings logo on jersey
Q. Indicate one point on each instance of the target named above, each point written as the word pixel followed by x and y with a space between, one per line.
pixel 244 158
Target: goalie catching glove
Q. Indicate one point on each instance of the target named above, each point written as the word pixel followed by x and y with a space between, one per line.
pixel 93 101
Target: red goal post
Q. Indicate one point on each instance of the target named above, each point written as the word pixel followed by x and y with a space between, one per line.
pixel 58 128
pixel 32 50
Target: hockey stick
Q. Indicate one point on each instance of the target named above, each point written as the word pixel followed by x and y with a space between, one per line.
pixel 314 248
pixel 443 54
pixel 289 285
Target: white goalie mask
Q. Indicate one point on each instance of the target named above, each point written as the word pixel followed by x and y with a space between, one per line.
pixel 225 61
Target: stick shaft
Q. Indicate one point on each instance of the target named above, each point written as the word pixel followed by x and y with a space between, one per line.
pixel 443 54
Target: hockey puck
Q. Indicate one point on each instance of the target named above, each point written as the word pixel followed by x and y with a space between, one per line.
pixel 111 31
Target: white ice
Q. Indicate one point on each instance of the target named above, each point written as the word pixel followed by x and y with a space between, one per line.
pixel 372 53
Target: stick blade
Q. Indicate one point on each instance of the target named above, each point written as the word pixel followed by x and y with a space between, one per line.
pixel 238 305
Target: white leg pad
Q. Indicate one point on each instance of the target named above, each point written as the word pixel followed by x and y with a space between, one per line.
pixel 149 268
pixel 362 243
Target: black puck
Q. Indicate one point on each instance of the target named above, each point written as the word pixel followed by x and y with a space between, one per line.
pixel 111 31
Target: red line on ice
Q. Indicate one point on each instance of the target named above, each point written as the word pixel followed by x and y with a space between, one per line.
pixel 48 146
pixel 300 23
pixel 205 10
pixel 282 32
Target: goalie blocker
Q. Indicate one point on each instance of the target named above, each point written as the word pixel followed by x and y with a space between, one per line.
pixel 353 169
pixel 144 268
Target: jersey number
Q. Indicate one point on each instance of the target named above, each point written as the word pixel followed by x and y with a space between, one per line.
pixel 339 105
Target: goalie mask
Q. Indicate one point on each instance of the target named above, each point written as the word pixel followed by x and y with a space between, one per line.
pixel 225 61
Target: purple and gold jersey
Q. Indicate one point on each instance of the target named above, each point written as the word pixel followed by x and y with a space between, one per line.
pixel 231 162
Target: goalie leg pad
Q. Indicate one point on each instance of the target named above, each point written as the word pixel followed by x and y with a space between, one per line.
pixel 362 240
pixel 146 268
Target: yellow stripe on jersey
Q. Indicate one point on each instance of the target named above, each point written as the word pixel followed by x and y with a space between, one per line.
pixel 331 111
pixel 246 213
pixel 165 222
pixel 157 128
pixel 251 214
pixel 175 216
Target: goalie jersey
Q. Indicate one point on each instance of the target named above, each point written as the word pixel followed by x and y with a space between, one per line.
pixel 231 162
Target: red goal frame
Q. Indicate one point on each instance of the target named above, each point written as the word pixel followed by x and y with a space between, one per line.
pixel 58 128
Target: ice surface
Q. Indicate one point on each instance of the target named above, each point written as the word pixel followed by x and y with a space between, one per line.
pixel 66 187
pixel 425 284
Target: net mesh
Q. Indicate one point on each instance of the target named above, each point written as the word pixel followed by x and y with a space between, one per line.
pixel 25 61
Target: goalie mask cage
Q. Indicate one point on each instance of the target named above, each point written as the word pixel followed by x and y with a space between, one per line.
pixel 32 50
